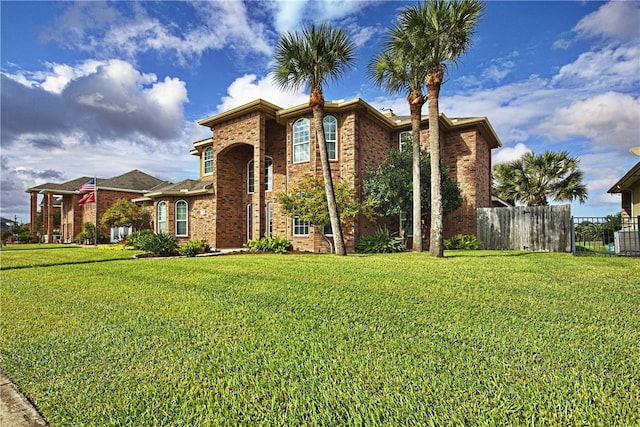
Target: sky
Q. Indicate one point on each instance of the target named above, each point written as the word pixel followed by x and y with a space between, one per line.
pixel 99 89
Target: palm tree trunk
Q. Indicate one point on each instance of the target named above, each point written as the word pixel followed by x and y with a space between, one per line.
pixel 334 216
pixel 434 81
pixel 415 105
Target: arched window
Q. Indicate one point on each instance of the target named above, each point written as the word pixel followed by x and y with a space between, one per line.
pixel 182 209
pixel 330 125
pixel 207 159
pixel 161 217
pixel 268 174
pixel 301 138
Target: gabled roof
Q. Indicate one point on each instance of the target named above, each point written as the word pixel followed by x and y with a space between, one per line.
pixel 134 181
pixel 627 181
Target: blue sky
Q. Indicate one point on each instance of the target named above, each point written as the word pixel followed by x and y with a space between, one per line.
pixel 93 88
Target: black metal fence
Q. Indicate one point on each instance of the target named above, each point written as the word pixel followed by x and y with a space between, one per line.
pixel 605 236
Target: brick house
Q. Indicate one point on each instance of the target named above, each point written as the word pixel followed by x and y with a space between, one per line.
pixel 65 197
pixel 227 205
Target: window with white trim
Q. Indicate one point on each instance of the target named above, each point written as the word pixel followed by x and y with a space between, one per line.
pixel 269 219
pixel 249 222
pixel 182 209
pixel 268 174
pixel 406 139
pixel 300 226
pixel 330 125
pixel 161 216
pixel 301 140
pixel 207 159
pixel 250 178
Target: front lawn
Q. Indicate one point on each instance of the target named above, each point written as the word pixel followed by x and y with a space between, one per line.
pixel 489 338
pixel 39 255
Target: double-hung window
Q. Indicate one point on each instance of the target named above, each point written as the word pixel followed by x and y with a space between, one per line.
pixel 161 217
pixel 207 160
pixel 301 140
pixel 300 226
pixel 182 210
pixel 406 140
pixel 330 125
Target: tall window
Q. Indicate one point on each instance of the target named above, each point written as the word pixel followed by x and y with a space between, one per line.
pixel 406 139
pixel 330 125
pixel 162 217
pixel 301 138
pixel 181 218
pixel 300 226
pixel 250 177
pixel 249 222
pixel 207 159
pixel 269 219
pixel 268 174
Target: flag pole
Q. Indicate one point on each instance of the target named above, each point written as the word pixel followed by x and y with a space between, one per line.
pixel 95 196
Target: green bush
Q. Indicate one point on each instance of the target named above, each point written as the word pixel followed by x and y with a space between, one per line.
pixel 463 241
pixel 194 247
pixel 277 244
pixel 161 244
pixel 382 241
pixel 135 239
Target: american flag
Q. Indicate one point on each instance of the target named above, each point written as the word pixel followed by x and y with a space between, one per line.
pixel 88 186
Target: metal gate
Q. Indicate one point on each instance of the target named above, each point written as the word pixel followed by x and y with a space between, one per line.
pixel 605 236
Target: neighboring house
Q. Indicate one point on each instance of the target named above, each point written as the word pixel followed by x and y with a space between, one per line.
pixel 128 186
pixel 629 188
pixel 259 149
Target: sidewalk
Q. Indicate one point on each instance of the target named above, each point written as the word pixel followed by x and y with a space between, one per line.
pixel 15 409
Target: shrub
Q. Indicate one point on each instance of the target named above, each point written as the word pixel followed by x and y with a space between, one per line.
pixel 161 244
pixel 277 244
pixel 194 247
pixel 462 241
pixel 382 241
pixel 134 240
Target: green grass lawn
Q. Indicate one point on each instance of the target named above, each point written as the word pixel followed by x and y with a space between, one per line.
pixel 40 255
pixel 476 338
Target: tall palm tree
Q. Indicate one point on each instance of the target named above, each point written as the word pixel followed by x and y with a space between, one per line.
pixel 311 58
pixel 534 179
pixel 442 31
pixel 400 68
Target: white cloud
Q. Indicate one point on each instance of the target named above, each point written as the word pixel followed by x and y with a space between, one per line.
pixel 616 19
pixel 127 30
pixel 509 154
pixel 288 14
pixel 610 120
pixel 604 68
pixel 249 88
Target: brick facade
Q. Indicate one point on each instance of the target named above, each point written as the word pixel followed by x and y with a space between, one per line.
pixel 228 215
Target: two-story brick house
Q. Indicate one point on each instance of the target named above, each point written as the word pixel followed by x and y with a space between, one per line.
pixel 259 149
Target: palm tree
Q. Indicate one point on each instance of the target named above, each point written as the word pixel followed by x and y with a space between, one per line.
pixel 534 179
pixel 309 59
pixel 402 70
pixel 441 32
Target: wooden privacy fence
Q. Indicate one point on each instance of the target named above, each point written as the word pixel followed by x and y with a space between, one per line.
pixel 533 228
